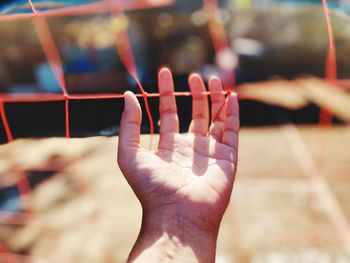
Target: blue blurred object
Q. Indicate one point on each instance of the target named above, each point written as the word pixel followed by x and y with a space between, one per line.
pixel 340 5
pixel 22 6
pixel 46 79
pixel 10 199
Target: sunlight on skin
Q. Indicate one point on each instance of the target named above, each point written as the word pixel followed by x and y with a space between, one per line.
pixel 184 186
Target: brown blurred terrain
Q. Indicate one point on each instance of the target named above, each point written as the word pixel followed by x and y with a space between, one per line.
pixel 88 213
pixel 299 93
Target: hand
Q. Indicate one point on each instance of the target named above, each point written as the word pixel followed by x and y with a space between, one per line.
pixel 185 185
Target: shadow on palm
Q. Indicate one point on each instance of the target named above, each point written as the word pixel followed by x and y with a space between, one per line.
pixel 190 176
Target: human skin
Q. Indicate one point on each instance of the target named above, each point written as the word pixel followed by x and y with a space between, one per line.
pixel 184 186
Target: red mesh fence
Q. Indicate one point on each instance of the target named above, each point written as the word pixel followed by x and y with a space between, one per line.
pixel 123 47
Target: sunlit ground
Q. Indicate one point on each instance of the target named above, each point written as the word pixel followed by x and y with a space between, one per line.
pixel 281 208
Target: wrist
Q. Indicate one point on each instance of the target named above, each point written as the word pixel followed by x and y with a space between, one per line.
pixel 178 221
pixel 170 234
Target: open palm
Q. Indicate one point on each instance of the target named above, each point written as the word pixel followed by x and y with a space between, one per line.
pixel 191 174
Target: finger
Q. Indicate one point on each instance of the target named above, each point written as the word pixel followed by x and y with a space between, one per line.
pixel 200 108
pixel 230 136
pixel 218 109
pixel 169 121
pixel 129 134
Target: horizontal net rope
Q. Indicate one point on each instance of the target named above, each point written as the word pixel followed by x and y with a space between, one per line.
pixel 85 9
pixel 42 97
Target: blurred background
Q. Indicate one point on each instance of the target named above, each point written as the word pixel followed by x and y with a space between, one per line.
pixel 65 200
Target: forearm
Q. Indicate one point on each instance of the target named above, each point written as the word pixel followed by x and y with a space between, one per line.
pixel 173 238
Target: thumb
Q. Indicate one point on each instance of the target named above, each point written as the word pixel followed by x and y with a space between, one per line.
pixel 129 133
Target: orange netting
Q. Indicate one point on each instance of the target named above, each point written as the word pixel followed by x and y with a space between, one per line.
pixel 220 42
